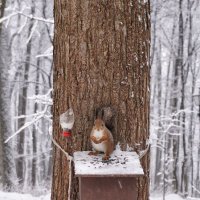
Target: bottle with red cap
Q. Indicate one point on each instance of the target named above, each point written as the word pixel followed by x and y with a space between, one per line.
pixel 67 122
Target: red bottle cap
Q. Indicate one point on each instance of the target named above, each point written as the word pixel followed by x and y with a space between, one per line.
pixel 66 134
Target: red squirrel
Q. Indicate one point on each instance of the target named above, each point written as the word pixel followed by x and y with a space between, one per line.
pixel 101 139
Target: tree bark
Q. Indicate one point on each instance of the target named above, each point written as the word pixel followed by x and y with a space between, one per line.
pixel 175 98
pixel 22 107
pixel 182 103
pixel 101 57
pixel 159 152
pixel 7 166
pixel 34 132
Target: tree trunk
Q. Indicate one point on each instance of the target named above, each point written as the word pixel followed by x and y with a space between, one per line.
pixel 34 132
pixel 7 167
pixel 159 152
pixel 22 106
pixel 101 57
pixel 175 98
pixel 182 103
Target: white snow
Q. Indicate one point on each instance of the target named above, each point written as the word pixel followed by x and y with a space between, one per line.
pixel 172 197
pixel 18 196
pixel 121 163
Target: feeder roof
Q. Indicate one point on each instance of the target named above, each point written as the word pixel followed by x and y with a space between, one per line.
pixel 121 163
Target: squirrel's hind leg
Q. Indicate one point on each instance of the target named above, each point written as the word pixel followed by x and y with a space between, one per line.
pixel 106 157
pixel 108 152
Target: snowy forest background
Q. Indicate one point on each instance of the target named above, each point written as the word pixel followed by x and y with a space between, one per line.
pixel 26 36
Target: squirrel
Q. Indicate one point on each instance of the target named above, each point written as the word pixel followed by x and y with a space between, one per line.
pixel 101 137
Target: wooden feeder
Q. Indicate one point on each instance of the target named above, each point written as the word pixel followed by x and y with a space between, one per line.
pixel 115 179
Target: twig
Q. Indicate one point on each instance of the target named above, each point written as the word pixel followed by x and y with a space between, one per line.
pixel 23 127
pixel 198 191
pixel 69 158
pixel 27 16
pixel 144 152
pixel 28 124
pixel 57 145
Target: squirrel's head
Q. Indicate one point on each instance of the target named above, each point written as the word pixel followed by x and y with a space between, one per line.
pixel 99 124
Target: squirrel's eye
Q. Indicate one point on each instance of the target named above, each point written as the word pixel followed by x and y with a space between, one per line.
pixel 102 125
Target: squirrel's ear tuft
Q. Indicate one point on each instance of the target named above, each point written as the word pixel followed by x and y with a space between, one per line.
pixel 102 114
pixel 96 113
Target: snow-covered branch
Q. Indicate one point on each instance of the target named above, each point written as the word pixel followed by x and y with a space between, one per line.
pixel 43 99
pixel 198 191
pixel 30 123
pixel 47 53
pixel 8 17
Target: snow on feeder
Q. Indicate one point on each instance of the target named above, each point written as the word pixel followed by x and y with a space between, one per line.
pixel 115 179
pixel 67 122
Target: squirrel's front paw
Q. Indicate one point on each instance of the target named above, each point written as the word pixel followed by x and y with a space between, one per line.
pixel 94 140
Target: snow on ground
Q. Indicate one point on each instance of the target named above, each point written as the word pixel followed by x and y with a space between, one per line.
pixel 172 197
pixel 168 197
pixel 18 196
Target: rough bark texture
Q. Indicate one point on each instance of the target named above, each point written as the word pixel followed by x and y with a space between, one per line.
pixel 7 166
pixel 101 57
pixel 22 107
pixel 6 156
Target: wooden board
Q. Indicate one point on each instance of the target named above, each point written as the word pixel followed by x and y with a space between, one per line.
pixel 108 188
